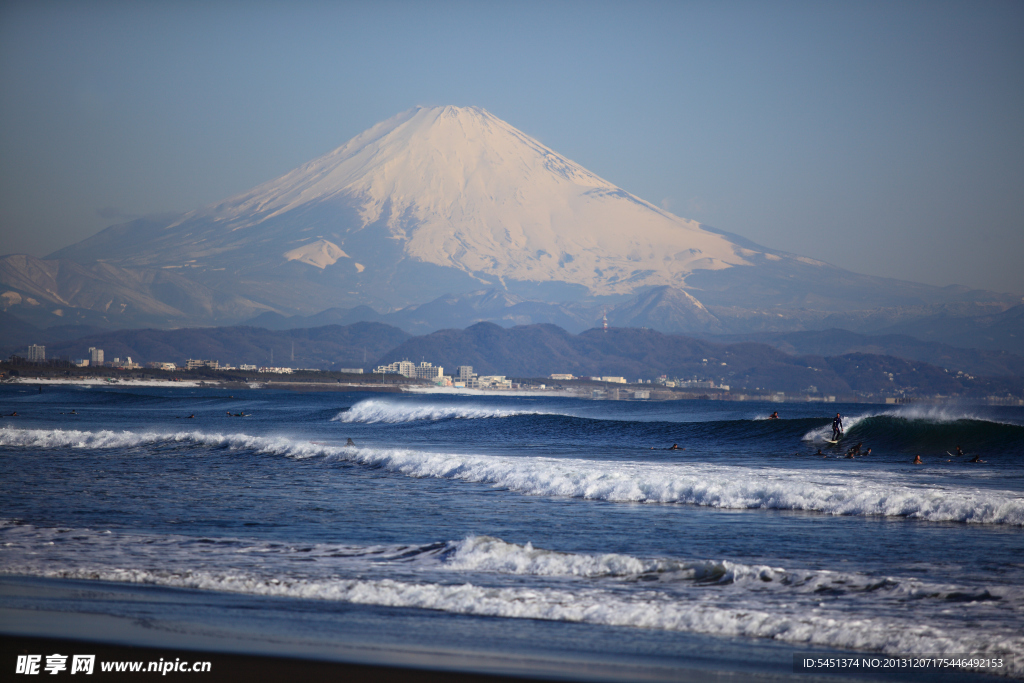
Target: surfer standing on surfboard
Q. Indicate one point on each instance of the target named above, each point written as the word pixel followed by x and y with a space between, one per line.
pixel 837 427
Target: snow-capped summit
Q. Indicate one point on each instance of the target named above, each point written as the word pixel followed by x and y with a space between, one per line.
pixel 455 187
pixel 448 200
pixel 460 188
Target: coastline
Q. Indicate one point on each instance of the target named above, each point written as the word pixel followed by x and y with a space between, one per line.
pixel 227 666
pixel 70 625
pixel 102 381
pixel 284 384
pixel 246 652
pixel 256 651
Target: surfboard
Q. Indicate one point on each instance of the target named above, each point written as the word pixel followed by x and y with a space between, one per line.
pixel 831 441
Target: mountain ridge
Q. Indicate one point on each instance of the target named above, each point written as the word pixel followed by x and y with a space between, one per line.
pixel 459 188
pixel 445 202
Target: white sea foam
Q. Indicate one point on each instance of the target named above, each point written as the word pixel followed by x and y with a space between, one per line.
pixel 74 438
pixel 938 414
pixel 836 609
pixel 372 410
pixel 822 434
pixel 641 609
pixel 487 554
pixel 707 485
pixel 720 486
pixel 472 555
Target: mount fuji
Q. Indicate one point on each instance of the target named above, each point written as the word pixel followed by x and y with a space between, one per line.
pixel 446 201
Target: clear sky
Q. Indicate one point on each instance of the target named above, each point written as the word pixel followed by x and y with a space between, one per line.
pixel 884 137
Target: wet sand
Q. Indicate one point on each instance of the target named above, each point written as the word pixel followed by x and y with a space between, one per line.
pixel 223 667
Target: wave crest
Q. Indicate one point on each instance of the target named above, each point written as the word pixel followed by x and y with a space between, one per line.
pixel 789 623
pixel 721 486
pixel 373 411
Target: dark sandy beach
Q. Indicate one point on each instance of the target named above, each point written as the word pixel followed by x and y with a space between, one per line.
pixel 223 667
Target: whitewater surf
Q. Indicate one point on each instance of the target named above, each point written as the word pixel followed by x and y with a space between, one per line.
pixel 531 520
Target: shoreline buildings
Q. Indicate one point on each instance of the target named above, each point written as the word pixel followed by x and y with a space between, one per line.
pixel 406 368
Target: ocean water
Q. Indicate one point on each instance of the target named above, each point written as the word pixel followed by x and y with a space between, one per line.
pixel 531 528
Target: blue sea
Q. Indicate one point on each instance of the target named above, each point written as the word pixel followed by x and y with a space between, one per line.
pixel 536 535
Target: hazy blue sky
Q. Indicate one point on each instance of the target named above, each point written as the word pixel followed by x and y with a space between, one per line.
pixel 884 137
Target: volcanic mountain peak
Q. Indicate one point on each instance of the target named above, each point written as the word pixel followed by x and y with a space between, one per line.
pixel 433 159
pixel 452 187
pixel 444 201
pixel 461 188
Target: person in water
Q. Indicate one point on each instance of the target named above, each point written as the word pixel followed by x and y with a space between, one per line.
pixel 868 452
pixel 675 447
pixel 350 442
pixel 837 427
pixel 820 453
pixel 917 460
pixel 976 458
pixel 774 416
pixel 959 451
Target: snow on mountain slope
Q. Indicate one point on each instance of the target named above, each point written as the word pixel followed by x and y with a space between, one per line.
pixel 56 291
pixel 320 254
pixel 455 187
pixel 436 203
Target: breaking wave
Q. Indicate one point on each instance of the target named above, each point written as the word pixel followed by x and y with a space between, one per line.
pixel 926 430
pixel 372 411
pixel 594 606
pixel 720 486
pixel 706 485
pixel 713 597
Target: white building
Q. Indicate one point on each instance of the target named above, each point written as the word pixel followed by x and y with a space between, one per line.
pixel 402 367
pixel 191 364
pixel 562 376
pixel 464 373
pixel 160 365
pixel 95 356
pixel 406 368
pixel 428 372
pixel 36 352
pixel 490 382
pixel 616 380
